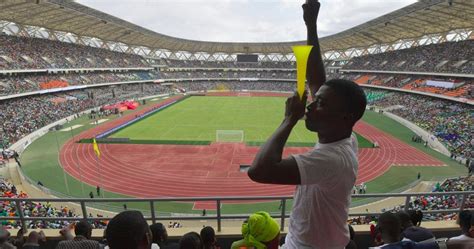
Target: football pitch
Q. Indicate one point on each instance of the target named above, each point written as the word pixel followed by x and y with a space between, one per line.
pixel 199 118
pixel 40 160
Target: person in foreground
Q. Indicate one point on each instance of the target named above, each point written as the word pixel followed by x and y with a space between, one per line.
pixel 326 174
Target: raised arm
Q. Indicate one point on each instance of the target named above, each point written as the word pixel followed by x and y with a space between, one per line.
pixel 316 74
pixel 268 165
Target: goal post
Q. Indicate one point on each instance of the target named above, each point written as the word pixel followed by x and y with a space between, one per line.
pixel 229 136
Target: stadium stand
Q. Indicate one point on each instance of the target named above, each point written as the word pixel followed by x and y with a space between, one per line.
pixel 425 203
pixel 226 64
pixel 29 83
pixel 462 87
pixel 35 53
pixel 199 74
pixel 25 115
pixel 236 85
pixel 34 209
pixel 448 57
pixel 451 122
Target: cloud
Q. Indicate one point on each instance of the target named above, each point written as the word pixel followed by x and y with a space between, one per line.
pixel 243 20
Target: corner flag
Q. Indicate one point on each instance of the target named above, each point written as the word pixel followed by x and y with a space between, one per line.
pixel 96 147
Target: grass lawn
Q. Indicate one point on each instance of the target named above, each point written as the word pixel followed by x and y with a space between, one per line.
pixel 40 160
pixel 198 119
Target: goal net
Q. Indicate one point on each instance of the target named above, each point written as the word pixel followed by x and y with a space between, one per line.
pixel 229 136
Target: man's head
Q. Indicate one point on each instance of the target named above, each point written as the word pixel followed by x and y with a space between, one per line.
pixel 464 220
pixel 83 228
pixel 191 240
pixel 33 237
pixel 4 234
pixel 390 227
pixel 260 231
pixel 336 106
pixel 416 217
pixel 405 219
pixel 208 236
pixel 159 233
pixel 128 230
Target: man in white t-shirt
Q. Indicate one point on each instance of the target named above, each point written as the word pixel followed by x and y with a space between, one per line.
pixel 325 175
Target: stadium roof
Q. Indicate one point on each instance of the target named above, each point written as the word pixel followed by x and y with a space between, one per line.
pixel 414 21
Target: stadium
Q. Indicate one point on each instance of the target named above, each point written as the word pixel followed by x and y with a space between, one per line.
pixel 100 115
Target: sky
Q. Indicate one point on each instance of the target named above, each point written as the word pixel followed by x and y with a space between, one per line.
pixel 243 20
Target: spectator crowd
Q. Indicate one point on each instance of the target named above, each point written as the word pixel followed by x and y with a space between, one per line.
pixel 224 64
pixel 431 202
pixel 34 53
pixel 448 57
pixel 22 116
pixel 223 74
pixel 451 122
pixel 28 83
pixel 33 209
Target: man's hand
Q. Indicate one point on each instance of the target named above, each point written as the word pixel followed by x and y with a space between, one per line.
pixel 296 107
pixel 311 11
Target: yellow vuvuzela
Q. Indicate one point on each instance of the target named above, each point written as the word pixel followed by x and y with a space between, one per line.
pixel 301 54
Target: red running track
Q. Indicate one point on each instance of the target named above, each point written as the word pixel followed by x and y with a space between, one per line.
pixel 200 171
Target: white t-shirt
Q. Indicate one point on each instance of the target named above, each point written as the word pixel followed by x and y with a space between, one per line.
pixel 462 237
pixel 321 202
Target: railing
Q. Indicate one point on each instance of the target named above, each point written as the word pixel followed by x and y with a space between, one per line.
pixel 462 196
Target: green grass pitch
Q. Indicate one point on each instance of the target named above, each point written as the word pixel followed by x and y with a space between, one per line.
pixel 198 119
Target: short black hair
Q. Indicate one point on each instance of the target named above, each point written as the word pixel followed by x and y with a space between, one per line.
pixel 390 225
pixel 405 219
pixel 353 95
pixel 208 236
pixel 416 216
pixel 158 231
pixel 191 240
pixel 126 230
pixel 464 220
pixel 83 228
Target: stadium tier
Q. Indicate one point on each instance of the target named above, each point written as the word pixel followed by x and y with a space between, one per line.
pixel 451 122
pixel 448 57
pixel 35 53
pixel 24 83
pixel 21 116
pixel 211 75
pixel 456 87
pixel 226 64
